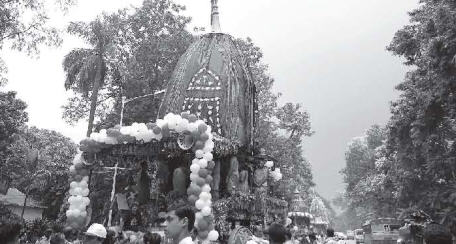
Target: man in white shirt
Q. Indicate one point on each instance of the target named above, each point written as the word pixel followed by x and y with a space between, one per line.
pixel 179 224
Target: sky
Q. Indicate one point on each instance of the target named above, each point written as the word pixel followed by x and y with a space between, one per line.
pixel 328 55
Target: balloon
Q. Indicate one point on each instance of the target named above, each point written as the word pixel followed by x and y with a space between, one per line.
pixel 72 170
pixel 85 192
pixel 205 196
pixel 79 165
pixel 193 176
pixel 200 181
pixel 195 189
pixel 269 164
pixel 157 130
pixel 199 153
pixel 210 164
pixel 83 172
pixel 199 204
pixel 206 211
pixel 165 130
pixel 192 118
pixel 185 115
pixel 83 184
pixel 114 133
pixel 206 188
pixel 208 156
pixel 198 215
pixel 209 179
pixel 76 212
pixel 195 168
pixel 203 234
pixel 151 126
pixel 213 235
pixel 199 145
pixel 78 178
pixel 202 225
pixel 203 173
pixel 204 137
pixel 288 222
pixel 202 128
pixel 202 163
pixel 78 190
pixel 86 201
pixel 73 184
pixel 192 199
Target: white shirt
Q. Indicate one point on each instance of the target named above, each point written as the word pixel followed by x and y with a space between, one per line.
pixel 186 240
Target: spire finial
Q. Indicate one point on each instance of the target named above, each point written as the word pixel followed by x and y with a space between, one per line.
pixel 215 22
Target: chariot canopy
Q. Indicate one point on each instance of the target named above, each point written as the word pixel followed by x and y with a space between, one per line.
pixel 213 81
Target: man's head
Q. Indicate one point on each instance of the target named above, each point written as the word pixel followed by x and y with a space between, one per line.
pixel 95 234
pixel 435 233
pixel 330 232
pixel 152 238
pixel 180 222
pixel 312 237
pixel 277 233
pixel 57 238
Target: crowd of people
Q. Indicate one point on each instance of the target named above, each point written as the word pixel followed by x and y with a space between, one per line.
pixel 180 230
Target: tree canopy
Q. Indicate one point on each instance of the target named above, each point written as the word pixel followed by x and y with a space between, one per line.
pixel 416 169
pixel 25 26
pixel 142 53
pixel 37 163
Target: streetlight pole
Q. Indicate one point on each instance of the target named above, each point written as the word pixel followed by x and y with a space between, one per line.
pixel 125 101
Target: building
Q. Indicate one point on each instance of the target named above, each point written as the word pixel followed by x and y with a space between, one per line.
pixel 14 201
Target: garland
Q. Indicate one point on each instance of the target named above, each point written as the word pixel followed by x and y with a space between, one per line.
pixel 201 167
pixel 140 139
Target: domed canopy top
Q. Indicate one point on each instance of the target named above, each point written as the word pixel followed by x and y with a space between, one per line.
pixel 212 81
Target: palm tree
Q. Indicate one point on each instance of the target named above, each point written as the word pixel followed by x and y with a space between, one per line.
pixel 85 68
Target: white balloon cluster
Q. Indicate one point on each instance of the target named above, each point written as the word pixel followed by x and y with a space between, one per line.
pixel 276 174
pixel 269 164
pixel 79 190
pixel 78 206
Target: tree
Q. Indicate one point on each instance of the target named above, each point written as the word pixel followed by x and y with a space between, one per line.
pixel 144 50
pixel 369 191
pixel 86 68
pixel 12 117
pixel 279 130
pixel 421 130
pixel 37 163
pixel 27 34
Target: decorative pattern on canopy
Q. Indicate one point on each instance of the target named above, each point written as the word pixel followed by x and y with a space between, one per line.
pixel 212 81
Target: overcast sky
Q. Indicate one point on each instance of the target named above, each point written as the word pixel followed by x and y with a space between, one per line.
pixel 328 55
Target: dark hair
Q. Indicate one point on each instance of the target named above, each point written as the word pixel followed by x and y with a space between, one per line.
pixel 330 232
pixel 57 238
pixel 288 234
pixel 9 231
pixel 277 233
pixel 312 236
pixel 186 212
pixel 437 234
pixel 110 237
pixel 152 238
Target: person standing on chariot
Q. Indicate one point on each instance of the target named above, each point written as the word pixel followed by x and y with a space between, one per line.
pixel 179 225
